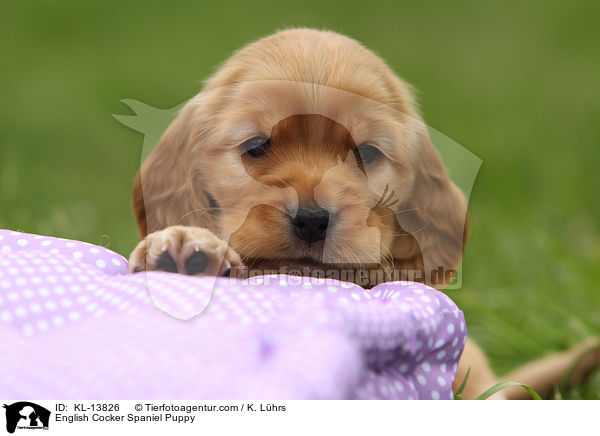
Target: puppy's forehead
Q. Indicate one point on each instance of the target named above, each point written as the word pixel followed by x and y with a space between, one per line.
pixel 258 107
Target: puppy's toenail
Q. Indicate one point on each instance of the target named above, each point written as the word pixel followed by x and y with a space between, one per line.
pixel 166 263
pixel 196 263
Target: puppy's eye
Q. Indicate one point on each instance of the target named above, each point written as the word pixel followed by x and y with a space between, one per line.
pixel 368 153
pixel 256 147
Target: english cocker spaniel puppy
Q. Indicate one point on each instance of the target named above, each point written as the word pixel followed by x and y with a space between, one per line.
pixel 303 154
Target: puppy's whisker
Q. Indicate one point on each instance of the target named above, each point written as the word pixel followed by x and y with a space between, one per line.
pixel 203 210
pixel 248 254
pixel 396 212
pixel 419 229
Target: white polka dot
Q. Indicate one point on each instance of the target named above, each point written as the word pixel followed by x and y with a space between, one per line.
pixel 94 251
pixel 426 367
pixel 42 325
pixel 54 251
pixel 398 385
pixel 441 381
pixel 57 321
pixel 421 380
pixel 435 395
pixel 450 328
pixel 46 243
pixel 116 262
pixel 100 263
pixel 332 288
pixel 74 316
pixel 78 255
pixel 1 237
pixel 27 330
pixel 307 285
pixel 6 249
pixel 441 355
pixel 355 296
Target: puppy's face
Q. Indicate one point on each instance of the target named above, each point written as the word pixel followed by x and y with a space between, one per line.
pixel 306 150
pixel 309 174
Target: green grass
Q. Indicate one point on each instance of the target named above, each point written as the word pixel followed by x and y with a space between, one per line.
pixel 514 82
pixel 494 389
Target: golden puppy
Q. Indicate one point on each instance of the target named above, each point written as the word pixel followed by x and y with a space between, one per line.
pixel 304 154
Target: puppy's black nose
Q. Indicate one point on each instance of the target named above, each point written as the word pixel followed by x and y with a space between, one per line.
pixel 310 223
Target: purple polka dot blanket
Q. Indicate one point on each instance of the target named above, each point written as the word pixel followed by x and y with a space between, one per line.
pixel 74 324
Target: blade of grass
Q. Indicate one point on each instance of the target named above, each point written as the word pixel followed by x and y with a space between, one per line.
pixel 461 388
pixel 503 385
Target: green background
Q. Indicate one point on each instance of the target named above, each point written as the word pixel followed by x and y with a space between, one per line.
pixel 516 83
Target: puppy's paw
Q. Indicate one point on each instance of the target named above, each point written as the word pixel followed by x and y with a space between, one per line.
pixel 186 250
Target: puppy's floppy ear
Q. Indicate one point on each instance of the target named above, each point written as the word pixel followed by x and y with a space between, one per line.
pixel 163 192
pixel 435 219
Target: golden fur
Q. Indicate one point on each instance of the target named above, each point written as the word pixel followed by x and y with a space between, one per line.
pixel 317 95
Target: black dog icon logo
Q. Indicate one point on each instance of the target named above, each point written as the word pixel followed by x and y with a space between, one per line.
pixel 26 415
